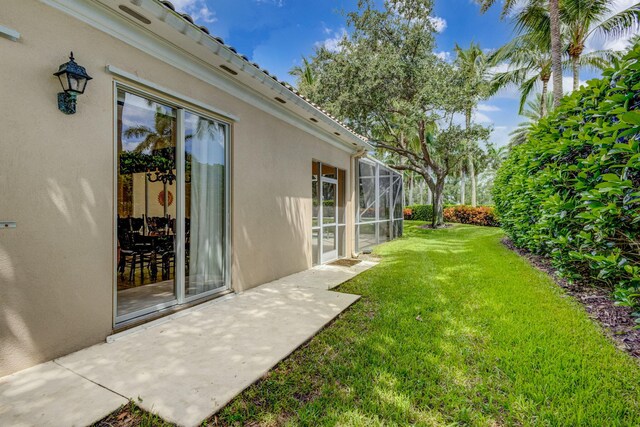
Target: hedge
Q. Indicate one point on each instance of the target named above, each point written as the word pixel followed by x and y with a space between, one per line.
pixel 480 215
pixel 572 190
pixel 420 212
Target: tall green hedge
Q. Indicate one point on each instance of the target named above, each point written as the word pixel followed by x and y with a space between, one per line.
pixel 572 191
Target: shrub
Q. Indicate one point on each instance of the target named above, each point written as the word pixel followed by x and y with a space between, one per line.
pixel 420 212
pixel 481 215
pixel 572 191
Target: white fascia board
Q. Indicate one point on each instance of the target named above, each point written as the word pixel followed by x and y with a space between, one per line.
pixel 103 18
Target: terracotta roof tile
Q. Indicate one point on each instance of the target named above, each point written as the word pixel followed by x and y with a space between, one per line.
pixel 292 89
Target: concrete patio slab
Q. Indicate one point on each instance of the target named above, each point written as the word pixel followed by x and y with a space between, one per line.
pixel 185 368
pixel 50 395
pixel 324 276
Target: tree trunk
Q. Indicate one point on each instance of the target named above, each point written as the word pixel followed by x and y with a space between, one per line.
pixel 474 180
pixel 438 211
pixel 575 67
pixel 471 166
pixel 543 97
pixel 462 189
pixel 476 195
pixel 556 51
pixel 429 196
pixel 411 189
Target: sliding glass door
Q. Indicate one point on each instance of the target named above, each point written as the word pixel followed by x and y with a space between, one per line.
pixel 172 198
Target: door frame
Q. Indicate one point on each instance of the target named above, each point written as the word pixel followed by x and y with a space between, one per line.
pixel 181 106
pixel 320 227
pixel 332 255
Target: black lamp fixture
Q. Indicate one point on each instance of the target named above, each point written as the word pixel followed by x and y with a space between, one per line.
pixel 73 79
pixel 161 176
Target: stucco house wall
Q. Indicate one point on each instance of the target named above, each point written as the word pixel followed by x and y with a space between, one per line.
pixel 57 183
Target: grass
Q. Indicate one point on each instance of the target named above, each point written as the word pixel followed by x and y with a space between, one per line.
pixel 452 329
pixel 131 415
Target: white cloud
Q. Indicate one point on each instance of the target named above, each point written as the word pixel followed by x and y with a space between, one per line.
pixel 276 3
pixel 444 55
pixel 332 44
pixel 500 135
pixel 487 107
pixel 479 117
pixel 439 24
pixel 198 10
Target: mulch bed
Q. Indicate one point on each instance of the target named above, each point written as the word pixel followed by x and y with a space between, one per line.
pixel 346 262
pixel 616 321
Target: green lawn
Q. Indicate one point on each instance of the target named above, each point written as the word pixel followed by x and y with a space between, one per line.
pixel 452 329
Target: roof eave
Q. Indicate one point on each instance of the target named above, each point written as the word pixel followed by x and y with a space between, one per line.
pixel 201 36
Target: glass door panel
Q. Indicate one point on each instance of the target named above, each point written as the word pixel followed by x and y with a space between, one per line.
pixel 146 205
pixel 329 219
pixel 329 243
pixel 204 220
pixel 329 203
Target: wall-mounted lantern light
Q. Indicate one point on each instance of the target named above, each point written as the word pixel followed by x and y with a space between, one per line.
pixel 73 79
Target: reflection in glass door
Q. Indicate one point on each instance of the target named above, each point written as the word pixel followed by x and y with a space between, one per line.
pixel 146 205
pixel 172 198
pixel 329 219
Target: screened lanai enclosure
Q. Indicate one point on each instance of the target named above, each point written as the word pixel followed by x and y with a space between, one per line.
pixel 380 196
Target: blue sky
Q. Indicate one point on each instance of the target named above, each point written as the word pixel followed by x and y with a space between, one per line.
pixel 277 33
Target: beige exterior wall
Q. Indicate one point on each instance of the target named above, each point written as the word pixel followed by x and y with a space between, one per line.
pixel 57 183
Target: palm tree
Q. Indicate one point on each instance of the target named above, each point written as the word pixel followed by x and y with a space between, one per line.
pixel 581 20
pixel 530 64
pixel 533 113
pixel 586 18
pixel 556 51
pixel 495 156
pixel 473 63
pixel 555 35
pixel 305 75
pixel 161 136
